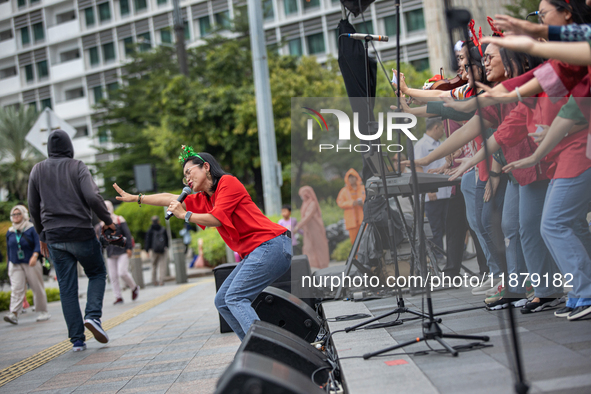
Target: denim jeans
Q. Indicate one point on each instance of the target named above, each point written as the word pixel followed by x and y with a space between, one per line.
pixel 537 256
pixel 469 191
pixel 513 251
pixel 65 256
pixel 436 212
pixel 566 232
pixel 488 219
pixel 258 270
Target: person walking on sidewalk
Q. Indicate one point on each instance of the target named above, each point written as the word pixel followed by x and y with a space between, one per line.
pixel 118 258
pixel 221 201
pixel 157 242
pixel 62 196
pixel 22 244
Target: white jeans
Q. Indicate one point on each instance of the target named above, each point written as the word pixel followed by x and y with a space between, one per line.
pixel 20 275
pixel 118 266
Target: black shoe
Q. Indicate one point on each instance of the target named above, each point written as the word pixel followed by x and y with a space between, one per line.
pixel 563 312
pixel 544 303
pixel 504 302
pixel 580 312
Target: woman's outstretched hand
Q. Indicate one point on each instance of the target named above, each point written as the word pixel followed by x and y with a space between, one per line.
pixel 123 195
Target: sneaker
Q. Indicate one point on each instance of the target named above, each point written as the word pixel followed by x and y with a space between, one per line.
pixel 94 325
pixel 563 312
pixel 11 318
pixel 79 346
pixel 529 290
pixel 494 290
pixel 118 301
pixel 500 293
pixel 504 302
pixel 579 312
pixel 544 303
pixel 135 292
pixel 484 286
pixel 43 316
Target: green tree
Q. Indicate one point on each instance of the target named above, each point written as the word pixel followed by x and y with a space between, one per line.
pixel 521 8
pixel 17 156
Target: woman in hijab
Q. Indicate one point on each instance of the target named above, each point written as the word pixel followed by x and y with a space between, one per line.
pixel 23 250
pixel 350 199
pixel 118 259
pixel 315 241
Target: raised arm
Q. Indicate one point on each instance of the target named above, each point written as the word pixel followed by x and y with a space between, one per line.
pixel 491 146
pixel 159 200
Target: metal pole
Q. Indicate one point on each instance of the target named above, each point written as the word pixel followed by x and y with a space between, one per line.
pixel 179 31
pixel 266 128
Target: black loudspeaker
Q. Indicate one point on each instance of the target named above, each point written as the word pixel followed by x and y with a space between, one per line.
pixel 220 273
pixel 251 373
pixel 274 342
pixel 282 309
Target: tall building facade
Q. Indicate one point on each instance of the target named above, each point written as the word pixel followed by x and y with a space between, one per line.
pixel 68 54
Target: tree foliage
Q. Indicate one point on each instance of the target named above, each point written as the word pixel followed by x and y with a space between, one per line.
pixel 521 8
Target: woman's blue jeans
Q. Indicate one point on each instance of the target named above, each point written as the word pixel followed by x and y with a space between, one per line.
pixel 258 270
pixel 488 219
pixel 513 251
pixel 566 232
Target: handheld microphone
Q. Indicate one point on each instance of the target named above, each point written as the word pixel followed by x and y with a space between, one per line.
pixel 370 37
pixel 184 194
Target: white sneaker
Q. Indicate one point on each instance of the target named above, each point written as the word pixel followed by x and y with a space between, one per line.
pixel 11 318
pixel 484 286
pixel 494 290
pixel 43 316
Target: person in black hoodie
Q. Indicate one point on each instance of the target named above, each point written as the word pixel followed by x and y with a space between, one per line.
pixel 62 196
pixel 157 242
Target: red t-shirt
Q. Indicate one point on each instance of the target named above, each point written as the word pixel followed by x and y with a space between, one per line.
pixel 244 227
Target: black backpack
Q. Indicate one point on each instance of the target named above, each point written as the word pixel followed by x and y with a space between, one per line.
pixel 159 240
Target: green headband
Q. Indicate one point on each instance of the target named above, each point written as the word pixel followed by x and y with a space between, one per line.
pixel 187 151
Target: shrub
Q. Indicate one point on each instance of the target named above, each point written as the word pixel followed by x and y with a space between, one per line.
pixel 3 272
pixel 3 230
pixel 341 252
pixel 214 247
pixel 53 294
pixel 331 213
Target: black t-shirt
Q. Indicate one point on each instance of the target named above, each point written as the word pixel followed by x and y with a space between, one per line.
pixel 68 234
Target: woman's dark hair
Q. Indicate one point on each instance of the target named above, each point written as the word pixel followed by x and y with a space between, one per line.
pixel 476 60
pixel 214 167
pixel 518 63
pixel 287 206
pixel 581 12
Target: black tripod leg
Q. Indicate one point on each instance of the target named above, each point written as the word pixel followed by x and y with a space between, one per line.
pixel 420 314
pixel 353 328
pixel 400 345
pixel 351 257
pixel 450 349
pixel 484 338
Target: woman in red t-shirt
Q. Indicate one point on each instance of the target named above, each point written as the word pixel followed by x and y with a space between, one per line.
pixel 221 201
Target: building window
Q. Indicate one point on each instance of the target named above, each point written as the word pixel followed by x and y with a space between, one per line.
pixel 111 87
pixel 81 131
pixel 140 5
pixel 8 72
pixel 187 31
pixel 311 4
pixel 97 93
pixel 89 16
pixel 295 47
pixel 74 94
pixel 42 70
pixel 128 45
pixel 162 2
pixel 166 35
pixel 65 17
pixel 25 38
pixel 290 6
pixel 103 135
pixel 414 20
pixel 268 9
pixel 38 32
pixel 204 26
pixel 69 55
pixel 21 3
pixel 5 35
pixel 124 7
pixel 420 64
pixel 364 27
pixel 32 104
pixel 222 20
pixel 30 76
pixel 390 25
pixel 45 104
pixel 104 12
pixel 109 52
pixel 34 1
pixel 145 42
pixel 315 43
pixel 94 56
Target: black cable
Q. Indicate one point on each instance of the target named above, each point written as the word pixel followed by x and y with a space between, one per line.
pixel 318 370
pixel 460 348
pixel 354 316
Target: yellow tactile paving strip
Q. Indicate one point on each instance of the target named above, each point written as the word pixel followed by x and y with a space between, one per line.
pixel 44 356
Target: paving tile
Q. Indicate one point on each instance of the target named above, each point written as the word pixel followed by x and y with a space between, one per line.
pixel 203 386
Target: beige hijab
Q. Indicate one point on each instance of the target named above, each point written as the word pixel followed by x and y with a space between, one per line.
pixel 25 224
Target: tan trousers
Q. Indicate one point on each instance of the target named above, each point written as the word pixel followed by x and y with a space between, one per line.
pixel 20 275
pixel 118 267
pixel 159 262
